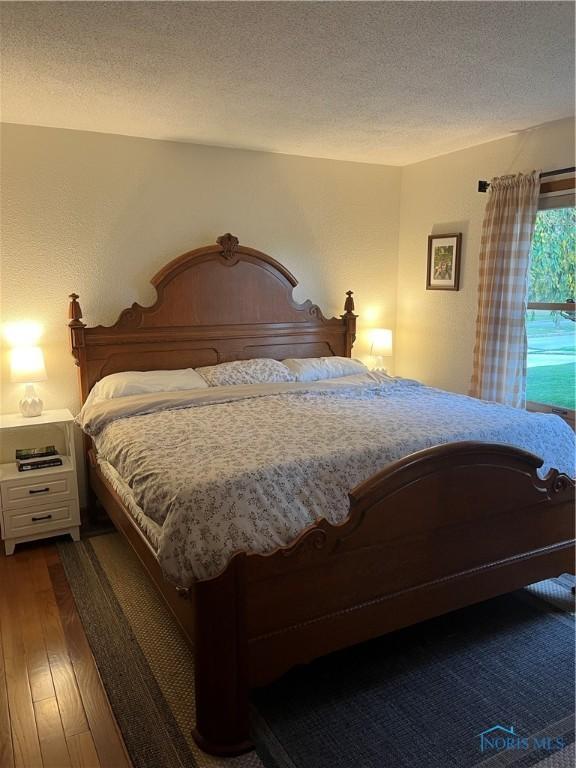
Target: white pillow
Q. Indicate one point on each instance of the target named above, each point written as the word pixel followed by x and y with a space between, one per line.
pixel 258 371
pixel 316 368
pixel 144 382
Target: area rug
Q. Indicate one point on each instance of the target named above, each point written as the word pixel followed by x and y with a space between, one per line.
pixel 420 698
pixel 490 685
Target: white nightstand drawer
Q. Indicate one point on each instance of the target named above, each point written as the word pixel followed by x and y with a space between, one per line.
pixel 37 490
pixel 48 517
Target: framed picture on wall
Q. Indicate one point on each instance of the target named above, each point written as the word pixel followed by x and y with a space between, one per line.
pixel 444 262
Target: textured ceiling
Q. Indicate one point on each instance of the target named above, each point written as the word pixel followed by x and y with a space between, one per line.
pixel 383 82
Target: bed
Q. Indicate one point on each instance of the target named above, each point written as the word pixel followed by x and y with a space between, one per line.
pixel 423 532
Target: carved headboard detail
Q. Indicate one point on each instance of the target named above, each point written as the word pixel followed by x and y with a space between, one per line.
pixel 217 303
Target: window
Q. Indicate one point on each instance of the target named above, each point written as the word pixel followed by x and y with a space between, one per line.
pixel 551 316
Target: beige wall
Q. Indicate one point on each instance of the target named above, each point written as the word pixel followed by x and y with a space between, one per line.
pixel 100 214
pixel 435 329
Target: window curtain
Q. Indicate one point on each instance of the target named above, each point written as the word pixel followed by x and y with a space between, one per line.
pixel 499 371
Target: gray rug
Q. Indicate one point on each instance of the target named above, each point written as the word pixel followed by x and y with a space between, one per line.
pixel 490 685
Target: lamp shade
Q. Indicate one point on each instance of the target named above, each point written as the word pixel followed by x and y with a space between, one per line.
pixel 381 342
pixel 27 365
pixel 24 334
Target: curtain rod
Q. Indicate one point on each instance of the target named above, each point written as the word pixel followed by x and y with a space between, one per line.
pixel 483 185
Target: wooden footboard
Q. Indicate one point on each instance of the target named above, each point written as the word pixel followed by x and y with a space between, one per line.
pixel 441 529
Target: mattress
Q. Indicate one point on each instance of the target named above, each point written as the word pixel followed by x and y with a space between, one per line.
pixel 149 528
pixel 223 470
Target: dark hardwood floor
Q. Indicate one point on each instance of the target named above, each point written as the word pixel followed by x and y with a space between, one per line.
pixel 54 712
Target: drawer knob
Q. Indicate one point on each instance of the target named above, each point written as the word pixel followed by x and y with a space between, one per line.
pixel 38 490
pixel 43 517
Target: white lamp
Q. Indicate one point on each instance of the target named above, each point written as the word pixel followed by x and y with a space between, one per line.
pixel 27 367
pixel 381 345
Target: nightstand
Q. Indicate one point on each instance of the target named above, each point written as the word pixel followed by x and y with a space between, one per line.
pixel 39 503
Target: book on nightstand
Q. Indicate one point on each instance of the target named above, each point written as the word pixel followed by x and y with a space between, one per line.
pixel 35 453
pixel 31 464
pixel 37 458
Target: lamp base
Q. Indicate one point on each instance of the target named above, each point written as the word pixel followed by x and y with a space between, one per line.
pixel 378 364
pixel 30 405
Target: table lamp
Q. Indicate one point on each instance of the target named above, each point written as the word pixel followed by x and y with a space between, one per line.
pixel 27 367
pixel 381 345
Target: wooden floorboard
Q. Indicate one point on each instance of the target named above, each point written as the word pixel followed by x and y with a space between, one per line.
pixel 38 570
pixel 6 751
pixel 51 734
pixel 39 673
pixel 83 751
pixel 54 712
pixel 65 684
pixel 25 742
pixel 109 745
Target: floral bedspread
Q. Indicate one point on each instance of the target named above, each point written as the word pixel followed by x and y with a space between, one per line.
pixel 248 468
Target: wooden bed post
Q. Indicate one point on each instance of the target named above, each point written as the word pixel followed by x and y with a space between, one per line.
pixel 220 664
pixel 77 342
pixel 350 320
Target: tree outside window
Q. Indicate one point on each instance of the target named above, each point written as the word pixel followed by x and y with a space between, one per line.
pixel 550 321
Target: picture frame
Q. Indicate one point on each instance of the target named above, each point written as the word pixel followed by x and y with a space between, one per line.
pixel 444 253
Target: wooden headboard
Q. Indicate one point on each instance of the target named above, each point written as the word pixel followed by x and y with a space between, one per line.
pixel 218 303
